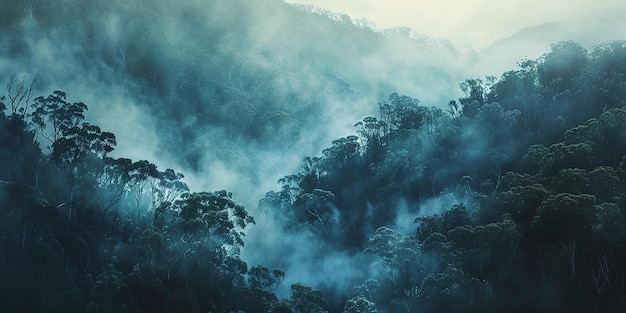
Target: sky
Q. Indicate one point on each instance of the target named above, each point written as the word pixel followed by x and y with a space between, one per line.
pixel 474 22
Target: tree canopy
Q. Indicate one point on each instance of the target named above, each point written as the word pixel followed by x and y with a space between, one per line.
pixel 516 191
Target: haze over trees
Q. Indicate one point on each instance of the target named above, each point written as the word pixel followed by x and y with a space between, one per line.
pixel 502 193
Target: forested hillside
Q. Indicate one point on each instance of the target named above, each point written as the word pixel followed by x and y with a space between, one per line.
pixel 221 86
pixel 516 191
pixel 497 193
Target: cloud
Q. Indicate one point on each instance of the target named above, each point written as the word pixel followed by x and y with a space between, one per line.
pixel 304 258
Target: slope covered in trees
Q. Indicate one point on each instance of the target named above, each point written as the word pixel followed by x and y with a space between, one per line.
pixel 84 232
pixel 517 191
pixel 223 88
pixel 510 198
pixel 254 77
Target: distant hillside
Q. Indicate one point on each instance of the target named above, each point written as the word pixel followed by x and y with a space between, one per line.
pixel 532 42
pixel 205 83
pixel 202 84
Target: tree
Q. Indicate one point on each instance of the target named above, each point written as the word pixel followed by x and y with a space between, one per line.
pixel 213 215
pixel 570 180
pixel 564 219
pixel 499 243
pixel 474 99
pixel 79 143
pixel 360 304
pixel 371 131
pixel 318 206
pixel 77 147
pixel 308 179
pixel 522 201
pixel 561 67
pixel 442 223
pixel 400 113
pixel 453 290
pixel 55 116
pixel 520 90
pixel 112 182
pixel 19 95
pixel 20 156
pixel 563 156
pixel 341 153
pixel 604 79
pixel 603 183
pixel 141 173
pixel 264 278
pixel 400 263
pixel 260 300
pixel 305 299
pixel 497 124
pixel 166 188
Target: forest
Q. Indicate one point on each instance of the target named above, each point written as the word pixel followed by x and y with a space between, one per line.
pixel 134 168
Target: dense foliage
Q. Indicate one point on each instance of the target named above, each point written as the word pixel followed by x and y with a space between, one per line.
pixel 220 66
pixel 84 232
pixel 515 193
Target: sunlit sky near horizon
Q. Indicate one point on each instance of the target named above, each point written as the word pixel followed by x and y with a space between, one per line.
pixel 474 22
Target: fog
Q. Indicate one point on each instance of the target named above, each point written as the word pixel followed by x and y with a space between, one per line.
pixel 461 24
pixel 234 94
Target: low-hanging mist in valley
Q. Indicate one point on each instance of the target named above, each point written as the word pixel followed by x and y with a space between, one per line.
pixel 360 151
pixel 223 82
pixel 205 84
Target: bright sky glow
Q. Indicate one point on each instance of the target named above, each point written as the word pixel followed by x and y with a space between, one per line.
pixel 474 22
